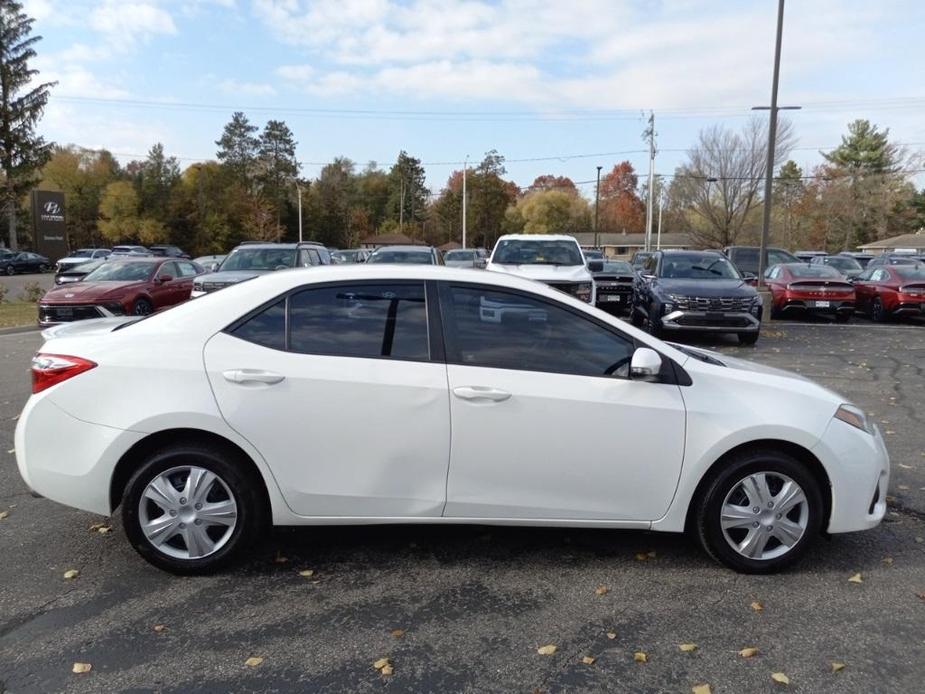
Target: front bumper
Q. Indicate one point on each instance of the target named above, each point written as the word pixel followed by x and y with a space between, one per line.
pixel 858 467
pixel 56 314
pixel 712 321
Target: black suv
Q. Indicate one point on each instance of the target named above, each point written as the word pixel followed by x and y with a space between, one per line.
pixel 168 251
pixel 745 258
pixel 695 290
pixel 252 259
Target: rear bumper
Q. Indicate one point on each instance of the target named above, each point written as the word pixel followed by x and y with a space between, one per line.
pixel 801 305
pixel 858 468
pixel 709 321
pixel 66 459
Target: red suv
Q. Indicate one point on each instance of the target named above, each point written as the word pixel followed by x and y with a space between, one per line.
pixel 123 286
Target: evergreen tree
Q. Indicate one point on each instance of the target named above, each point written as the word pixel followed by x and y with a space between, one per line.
pixel 865 149
pixel 237 149
pixel 22 101
pixel 277 163
pixel 408 191
pixel 157 176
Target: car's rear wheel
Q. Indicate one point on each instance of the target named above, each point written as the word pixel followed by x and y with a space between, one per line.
pixel 43 268
pixel 843 317
pixel 877 312
pixel 190 509
pixel 760 513
pixel 748 338
pixel 142 307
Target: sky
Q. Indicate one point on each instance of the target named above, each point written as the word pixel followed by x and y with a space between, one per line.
pixel 556 86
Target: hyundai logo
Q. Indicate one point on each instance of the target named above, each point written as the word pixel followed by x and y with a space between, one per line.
pixel 51 207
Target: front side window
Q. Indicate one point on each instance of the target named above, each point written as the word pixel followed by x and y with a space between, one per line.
pixel 503 330
pixel 362 320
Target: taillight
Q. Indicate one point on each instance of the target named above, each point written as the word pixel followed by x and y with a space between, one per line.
pixel 49 369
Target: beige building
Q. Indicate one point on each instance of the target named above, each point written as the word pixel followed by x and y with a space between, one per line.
pixel 623 245
pixel 910 243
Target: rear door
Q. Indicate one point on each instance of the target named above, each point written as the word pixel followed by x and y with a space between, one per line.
pixel 343 393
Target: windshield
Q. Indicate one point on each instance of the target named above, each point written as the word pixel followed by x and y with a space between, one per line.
pixel 640 259
pixel 121 272
pixel 620 266
pixel 405 257
pixel 459 255
pixel 594 255
pixel 843 262
pixel 82 253
pixel 910 272
pixel 802 270
pixel 697 267
pixel 259 259
pixel 529 252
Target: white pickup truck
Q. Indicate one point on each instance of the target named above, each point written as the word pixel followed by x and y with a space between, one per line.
pixel 554 259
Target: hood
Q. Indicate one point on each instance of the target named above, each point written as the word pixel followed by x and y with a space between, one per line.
pixel 545 273
pixel 82 292
pixel 83 328
pixel 706 288
pixel 230 276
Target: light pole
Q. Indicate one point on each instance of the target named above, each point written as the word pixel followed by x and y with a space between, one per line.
pixel 772 140
pixel 465 169
pixel 597 204
pixel 299 188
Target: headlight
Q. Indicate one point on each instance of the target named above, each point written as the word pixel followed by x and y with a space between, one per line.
pixel 115 308
pixel 855 417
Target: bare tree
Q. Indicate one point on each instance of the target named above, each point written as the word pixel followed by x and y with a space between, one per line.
pixel 722 179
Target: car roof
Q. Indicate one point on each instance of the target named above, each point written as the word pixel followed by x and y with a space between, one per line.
pixel 679 251
pixel 268 244
pixel 538 237
pixel 406 248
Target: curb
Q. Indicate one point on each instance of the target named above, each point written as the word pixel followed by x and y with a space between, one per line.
pixel 19 329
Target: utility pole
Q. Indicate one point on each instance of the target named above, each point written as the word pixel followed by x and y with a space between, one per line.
pixel 465 170
pixel 401 204
pixel 299 188
pixel 649 135
pixel 597 204
pixel 772 141
pixel 658 241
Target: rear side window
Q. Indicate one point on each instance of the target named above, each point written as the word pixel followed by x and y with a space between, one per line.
pixel 267 328
pixel 363 320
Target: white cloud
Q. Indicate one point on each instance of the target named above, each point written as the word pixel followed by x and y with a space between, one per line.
pixel 296 73
pixel 235 87
pixel 127 23
pixel 39 9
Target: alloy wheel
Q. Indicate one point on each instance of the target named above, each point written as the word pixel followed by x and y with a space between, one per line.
pixel 764 515
pixel 187 512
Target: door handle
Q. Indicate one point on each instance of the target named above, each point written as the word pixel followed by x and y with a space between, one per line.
pixel 252 376
pixel 481 393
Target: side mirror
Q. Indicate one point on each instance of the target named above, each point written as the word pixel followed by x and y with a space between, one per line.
pixel 164 278
pixel 645 364
pixel 596 265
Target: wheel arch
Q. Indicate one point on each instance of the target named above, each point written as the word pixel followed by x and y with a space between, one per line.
pixel 149 444
pixel 803 455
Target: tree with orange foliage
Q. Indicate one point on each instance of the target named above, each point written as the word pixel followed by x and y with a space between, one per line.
pixel 621 209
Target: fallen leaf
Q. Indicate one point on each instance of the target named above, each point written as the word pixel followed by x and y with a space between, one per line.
pixel 651 554
pixel 687 647
pixel 920 540
pixel 837 666
pixel 4 514
pixel 387 670
pixel 381 663
pixel 903 487
pixel 920 596
pixel 588 660
pixel 601 590
pixel 641 556
pixel 279 558
pixel 548 649
pixel 307 573
pixel 905 467
pixel 640 657
pixel 748 652
pixel 71 573
pixel 856 578
pixel 103 530
pixel 780 678
pixel 757 606
pixel 887 560
pixel 611 635
pixel 253 661
pixel 11 451
pixel 81 668
pixel 159 628
pixel 95 527
pixel 397 633
pixel 701 689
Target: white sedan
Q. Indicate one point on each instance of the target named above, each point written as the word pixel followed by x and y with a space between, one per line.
pixel 383 394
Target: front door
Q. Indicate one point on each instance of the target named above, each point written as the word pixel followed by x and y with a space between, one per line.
pixel 546 422
pixel 346 406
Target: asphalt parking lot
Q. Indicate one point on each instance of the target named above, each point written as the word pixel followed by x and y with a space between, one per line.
pixel 466 609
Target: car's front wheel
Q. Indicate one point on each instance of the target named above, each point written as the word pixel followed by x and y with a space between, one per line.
pixel 760 513
pixel 748 338
pixel 142 307
pixel 10 270
pixel 192 509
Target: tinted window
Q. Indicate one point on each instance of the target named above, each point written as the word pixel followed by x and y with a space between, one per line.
pixel 705 266
pixel 802 270
pixel 404 257
pixel 513 331
pixel 775 257
pixel 363 320
pixel 267 328
pixel 245 258
pixel 539 252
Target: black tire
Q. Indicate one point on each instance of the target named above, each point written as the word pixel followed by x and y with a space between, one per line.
pixel 748 338
pixel 707 508
pixel 636 317
pixel 43 268
pixel 246 490
pixel 843 317
pixel 10 270
pixel 776 313
pixel 653 326
pixel 877 312
pixel 142 307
